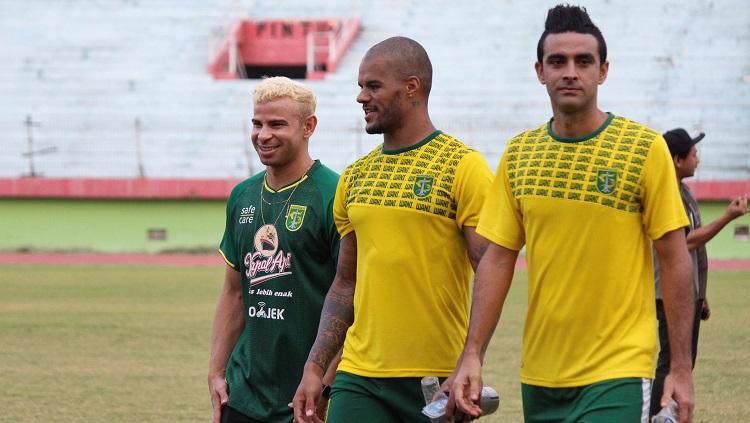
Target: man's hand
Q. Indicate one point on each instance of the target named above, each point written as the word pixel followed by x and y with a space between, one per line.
pixel 308 395
pixel 705 310
pixel 217 387
pixel 738 207
pixel 322 409
pixel 678 385
pixel 466 388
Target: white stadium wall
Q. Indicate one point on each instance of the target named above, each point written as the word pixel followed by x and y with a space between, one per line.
pixel 86 70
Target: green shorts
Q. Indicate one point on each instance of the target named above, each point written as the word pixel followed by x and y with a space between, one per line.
pixel 609 401
pixel 375 400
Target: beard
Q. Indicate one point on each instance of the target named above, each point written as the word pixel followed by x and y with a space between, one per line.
pixel 389 117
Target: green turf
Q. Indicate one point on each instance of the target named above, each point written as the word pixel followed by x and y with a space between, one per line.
pixel 130 344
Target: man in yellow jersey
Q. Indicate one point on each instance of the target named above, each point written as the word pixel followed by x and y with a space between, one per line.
pixel 587 193
pixel 406 213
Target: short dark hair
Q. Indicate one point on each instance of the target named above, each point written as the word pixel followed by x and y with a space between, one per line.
pixel 407 57
pixel 566 18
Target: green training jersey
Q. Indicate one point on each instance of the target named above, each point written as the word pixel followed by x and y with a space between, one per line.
pixel 285 245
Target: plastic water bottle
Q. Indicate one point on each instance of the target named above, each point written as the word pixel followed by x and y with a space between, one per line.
pixel 667 414
pixel 430 387
pixel 435 410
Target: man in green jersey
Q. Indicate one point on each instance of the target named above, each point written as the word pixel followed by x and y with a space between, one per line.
pixel 281 246
pixel 587 193
pixel 406 212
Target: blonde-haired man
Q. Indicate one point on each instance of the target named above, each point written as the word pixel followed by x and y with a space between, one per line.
pixel 281 246
pixel 279 87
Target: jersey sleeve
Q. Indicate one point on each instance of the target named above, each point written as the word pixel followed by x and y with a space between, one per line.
pixel 227 245
pixel 340 213
pixel 473 179
pixel 662 206
pixel 501 221
pixel 332 233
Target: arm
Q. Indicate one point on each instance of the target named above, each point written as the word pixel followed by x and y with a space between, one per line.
pixel 331 372
pixel 491 285
pixel 335 319
pixel 227 327
pixel 679 306
pixel 327 380
pixel 476 245
pixel 700 236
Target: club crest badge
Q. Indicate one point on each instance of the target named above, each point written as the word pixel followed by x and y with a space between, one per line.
pixel 295 217
pixel 266 240
pixel 606 180
pixel 423 185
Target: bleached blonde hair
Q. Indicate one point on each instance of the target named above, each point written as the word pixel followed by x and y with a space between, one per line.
pixel 278 87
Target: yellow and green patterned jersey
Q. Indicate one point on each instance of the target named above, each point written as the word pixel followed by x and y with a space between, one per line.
pixel 587 210
pixel 408 209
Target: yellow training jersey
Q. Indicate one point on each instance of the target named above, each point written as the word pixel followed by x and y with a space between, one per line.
pixel 587 210
pixel 407 208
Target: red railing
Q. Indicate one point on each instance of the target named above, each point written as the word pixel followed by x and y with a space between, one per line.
pixel 284 42
pixel 151 188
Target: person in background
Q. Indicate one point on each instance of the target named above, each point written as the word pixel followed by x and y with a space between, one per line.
pixel 685 157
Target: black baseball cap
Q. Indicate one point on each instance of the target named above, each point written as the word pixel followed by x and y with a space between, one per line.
pixel 679 141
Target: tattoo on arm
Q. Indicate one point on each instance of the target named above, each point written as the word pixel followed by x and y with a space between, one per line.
pixel 338 309
pixel 337 316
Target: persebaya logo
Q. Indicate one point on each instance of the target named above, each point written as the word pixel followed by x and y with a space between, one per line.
pixel 423 185
pixel 606 180
pixel 295 217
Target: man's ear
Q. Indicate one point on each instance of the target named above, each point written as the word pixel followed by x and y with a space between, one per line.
pixel 413 84
pixel 309 125
pixel 677 161
pixel 539 72
pixel 603 71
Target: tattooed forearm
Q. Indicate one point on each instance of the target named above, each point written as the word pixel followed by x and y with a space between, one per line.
pixel 337 316
pixel 338 309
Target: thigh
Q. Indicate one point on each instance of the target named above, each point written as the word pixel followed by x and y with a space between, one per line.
pixel 230 415
pixel 357 399
pixel 663 359
pixel 613 401
pixel 696 328
pixel 547 405
pixel 403 397
pixel 662 363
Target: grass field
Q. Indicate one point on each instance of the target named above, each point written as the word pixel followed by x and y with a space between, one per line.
pixel 130 344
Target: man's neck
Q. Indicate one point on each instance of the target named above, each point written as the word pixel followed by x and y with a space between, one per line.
pixel 279 177
pixel 578 124
pixel 409 134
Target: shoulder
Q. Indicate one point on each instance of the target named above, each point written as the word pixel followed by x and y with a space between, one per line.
pixel 686 193
pixel 355 168
pixel 630 130
pixel 450 145
pixel 325 179
pixel 528 137
pixel 246 185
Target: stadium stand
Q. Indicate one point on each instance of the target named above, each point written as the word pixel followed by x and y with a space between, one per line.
pixel 105 81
